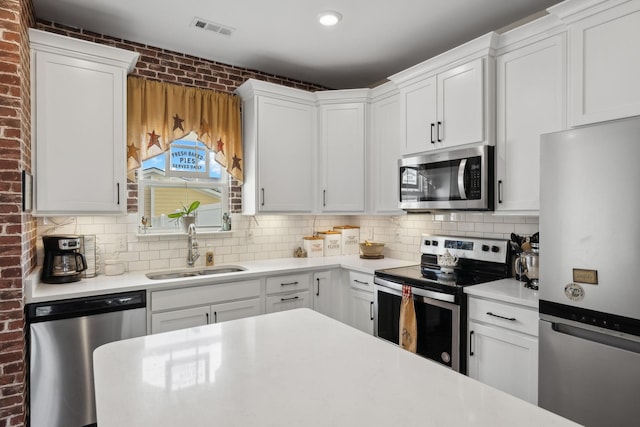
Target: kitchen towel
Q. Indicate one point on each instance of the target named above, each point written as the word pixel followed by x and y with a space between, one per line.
pixel 408 325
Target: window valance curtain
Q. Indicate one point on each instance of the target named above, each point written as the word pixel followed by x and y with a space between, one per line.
pixel 159 113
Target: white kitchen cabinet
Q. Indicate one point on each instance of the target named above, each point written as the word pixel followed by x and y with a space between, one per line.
pixel 78 93
pixel 604 63
pixel 503 347
pixel 384 150
pixel 288 292
pixel 531 100
pixel 359 307
pixel 343 120
pixel 204 315
pixel 447 109
pixel 279 135
pixel 326 293
pixel 191 306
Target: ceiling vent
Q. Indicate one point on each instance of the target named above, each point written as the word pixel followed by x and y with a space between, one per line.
pixel 203 24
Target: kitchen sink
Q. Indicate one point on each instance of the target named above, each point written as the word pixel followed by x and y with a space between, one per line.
pixel 193 272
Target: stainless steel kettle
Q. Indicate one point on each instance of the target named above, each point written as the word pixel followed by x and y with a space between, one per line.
pixel 527 266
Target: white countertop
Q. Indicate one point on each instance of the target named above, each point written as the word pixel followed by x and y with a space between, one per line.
pixel 293 368
pixel 37 291
pixel 507 290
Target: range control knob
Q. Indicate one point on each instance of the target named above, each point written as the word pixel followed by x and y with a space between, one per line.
pixel 434 243
pixel 485 248
pixel 427 242
pixel 495 249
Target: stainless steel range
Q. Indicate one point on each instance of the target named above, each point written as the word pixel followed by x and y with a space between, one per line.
pixel 439 298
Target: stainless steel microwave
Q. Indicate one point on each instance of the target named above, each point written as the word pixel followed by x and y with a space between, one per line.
pixel 460 179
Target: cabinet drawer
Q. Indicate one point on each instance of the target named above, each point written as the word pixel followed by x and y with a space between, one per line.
pixel 505 315
pixel 361 281
pixel 293 282
pixel 288 302
pixel 208 294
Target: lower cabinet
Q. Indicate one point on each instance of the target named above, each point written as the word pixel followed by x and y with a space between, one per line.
pixel 186 307
pixel 288 292
pixel 326 287
pixel 359 308
pixel 503 347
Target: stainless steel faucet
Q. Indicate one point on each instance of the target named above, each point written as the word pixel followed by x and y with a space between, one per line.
pixel 193 253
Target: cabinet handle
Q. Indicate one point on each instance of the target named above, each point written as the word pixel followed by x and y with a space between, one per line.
pixel 118 189
pixel 262 202
pixel 288 284
pixel 500 191
pixel 318 291
pixel 371 309
pixel 439 131
pixel 289 299
pixel 471 343
pixel 215 317
pixel 361 282
pixel 324 197
pixel 207 315
pixel 433 141
pixel 511 319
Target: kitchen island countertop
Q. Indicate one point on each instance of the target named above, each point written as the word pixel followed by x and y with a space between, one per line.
pixel 292 368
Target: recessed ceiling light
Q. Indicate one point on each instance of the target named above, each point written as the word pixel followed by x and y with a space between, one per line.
pixel 329 18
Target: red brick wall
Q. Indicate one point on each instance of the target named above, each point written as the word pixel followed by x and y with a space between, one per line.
pixel 178 68
pixel 17 230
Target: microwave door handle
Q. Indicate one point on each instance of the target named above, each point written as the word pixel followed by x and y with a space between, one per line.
pixel 461 168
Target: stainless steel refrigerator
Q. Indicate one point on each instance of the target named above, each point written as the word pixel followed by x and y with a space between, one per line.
pixel 589 349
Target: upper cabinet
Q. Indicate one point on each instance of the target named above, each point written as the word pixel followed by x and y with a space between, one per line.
pixel 279 128
pixel 78 92
pixel 531 87
pixel 604 63
pixel 342 126
pixel 447 101
pixel 384 150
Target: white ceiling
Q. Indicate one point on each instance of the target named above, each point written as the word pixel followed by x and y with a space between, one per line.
pixel 375 39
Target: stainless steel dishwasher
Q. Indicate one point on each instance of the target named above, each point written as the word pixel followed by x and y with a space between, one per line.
pixel 62 337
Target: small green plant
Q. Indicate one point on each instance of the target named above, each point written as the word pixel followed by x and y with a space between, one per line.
pixel 186 211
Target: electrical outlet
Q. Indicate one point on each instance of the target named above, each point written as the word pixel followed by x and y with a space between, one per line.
pixel 397 236
pixel 250 236
pixel 121 243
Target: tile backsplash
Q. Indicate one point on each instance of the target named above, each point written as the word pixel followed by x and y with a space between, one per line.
pixel 275 236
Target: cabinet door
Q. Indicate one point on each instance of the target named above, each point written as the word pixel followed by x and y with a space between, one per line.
pixel 361 310
pixel 531 101
pixel 235 310
pixel 419 115
pixel 79 117
pixel 385 152
pixel 285 147
pixel 342 143
pixel 604 65
pixel 179 319
pixel 504 359
pixel 325 297
pixel 289 301
pixel 461 114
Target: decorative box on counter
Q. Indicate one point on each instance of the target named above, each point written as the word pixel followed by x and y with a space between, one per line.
pixel 332 242
pixel 314 245
pixel 350 239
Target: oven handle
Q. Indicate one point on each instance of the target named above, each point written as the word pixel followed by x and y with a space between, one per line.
pixel 415 291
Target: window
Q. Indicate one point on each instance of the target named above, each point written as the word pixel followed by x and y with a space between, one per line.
pixel 176 178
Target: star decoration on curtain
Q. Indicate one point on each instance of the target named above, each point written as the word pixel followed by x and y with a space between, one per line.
pixel 132 151
pixel 236 163
pixel 177 123
pixel 220 146
pixel 204 128
pixel 154 139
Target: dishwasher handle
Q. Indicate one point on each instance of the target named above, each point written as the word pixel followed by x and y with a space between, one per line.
pixel 87 306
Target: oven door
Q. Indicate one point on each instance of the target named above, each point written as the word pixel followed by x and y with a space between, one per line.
pixel 437 316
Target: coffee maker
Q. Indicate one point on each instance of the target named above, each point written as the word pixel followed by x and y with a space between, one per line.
pixel 63 262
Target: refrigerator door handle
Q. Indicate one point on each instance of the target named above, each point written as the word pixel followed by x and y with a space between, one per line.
pixel 611 339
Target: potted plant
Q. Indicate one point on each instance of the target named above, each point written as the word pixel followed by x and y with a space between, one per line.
pixel 186 214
